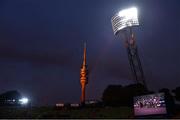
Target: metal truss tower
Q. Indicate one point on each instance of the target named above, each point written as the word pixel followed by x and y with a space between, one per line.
pixel 122 24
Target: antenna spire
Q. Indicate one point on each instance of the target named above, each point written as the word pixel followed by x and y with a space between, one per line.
pixel 84 56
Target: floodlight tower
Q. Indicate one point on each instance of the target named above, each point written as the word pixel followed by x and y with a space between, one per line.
pixel 122 24
pixel 83 77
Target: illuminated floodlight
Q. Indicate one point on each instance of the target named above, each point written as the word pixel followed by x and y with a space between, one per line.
pixel 23 101
pixel 125 18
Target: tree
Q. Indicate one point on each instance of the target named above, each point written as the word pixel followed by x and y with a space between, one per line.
pixel 10 98
pixel 116 95
pixel 168 99
pixel 177 93
pixel 111 95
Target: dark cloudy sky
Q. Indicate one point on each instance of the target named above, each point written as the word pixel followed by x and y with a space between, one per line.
pixel 41 46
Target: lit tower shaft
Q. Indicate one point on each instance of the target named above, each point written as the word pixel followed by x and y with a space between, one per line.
pixel 83 76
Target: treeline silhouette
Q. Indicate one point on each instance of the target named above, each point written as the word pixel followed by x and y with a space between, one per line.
pixel 117 95
pixel 10 98
pixel 113 95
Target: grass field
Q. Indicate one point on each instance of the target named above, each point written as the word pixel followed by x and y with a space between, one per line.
pixel 88 112
pixel 50 112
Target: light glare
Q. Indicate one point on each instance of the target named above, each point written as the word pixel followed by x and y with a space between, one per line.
pixel 125 18
pixel 23 100
pixel 130 13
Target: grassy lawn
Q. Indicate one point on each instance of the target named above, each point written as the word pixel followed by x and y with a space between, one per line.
pixel 50 112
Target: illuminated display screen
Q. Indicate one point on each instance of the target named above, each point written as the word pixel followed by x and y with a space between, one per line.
pixel 149 105
pixel 125 18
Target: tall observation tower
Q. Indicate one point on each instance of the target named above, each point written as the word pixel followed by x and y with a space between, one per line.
pixel 122 24
pixel 83 77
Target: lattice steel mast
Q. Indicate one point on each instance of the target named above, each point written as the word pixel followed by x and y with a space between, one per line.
pixel 123 23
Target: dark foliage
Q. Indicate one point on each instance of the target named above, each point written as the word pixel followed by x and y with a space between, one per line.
pixel 169 100
pixel 177 93
pixel 9 98
pixel 116 95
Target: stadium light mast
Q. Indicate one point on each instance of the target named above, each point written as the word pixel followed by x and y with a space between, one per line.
pixel 122 24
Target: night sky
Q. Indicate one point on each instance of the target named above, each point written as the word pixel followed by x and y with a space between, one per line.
pixel 41 47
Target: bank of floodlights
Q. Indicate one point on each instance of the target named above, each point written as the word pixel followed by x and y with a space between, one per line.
pixel 125 18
